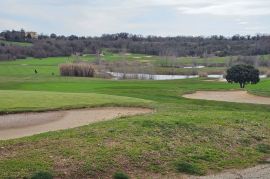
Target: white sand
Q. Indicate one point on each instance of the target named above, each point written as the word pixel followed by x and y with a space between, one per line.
pixel 27 124
pixel 229 96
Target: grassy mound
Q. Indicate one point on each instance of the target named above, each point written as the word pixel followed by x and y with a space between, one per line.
pixel 21 101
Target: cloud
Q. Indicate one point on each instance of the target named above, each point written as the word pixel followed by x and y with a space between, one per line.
pixel 10 24
pixel 158 17
pixel 230 8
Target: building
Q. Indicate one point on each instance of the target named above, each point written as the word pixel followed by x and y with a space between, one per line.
pixel 33 35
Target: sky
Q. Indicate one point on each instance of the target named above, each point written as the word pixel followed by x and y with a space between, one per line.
pixel 144 17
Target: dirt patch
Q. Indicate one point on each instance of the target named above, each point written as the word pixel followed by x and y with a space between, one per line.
pixel 27 124
pixel 229 96
pixel 216 80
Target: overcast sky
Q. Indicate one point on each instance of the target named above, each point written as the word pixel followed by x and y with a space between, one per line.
pixel 145 17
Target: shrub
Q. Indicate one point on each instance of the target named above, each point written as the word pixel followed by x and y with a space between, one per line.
pixel 77 69
pixel 120 175
pixel 42 175
pixel 189 168
pixel 243 74
pixel 264 148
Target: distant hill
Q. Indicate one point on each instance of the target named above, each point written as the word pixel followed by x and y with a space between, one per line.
pixel 179 46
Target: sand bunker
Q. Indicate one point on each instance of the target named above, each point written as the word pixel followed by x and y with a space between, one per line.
pixel 229 96
pixel 27 124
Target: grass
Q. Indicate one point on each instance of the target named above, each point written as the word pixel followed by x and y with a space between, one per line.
pixel 49 66
pixel 182 136
pixel 42 101
pixel 23 44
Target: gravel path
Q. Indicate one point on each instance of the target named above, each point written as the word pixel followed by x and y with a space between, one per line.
pixel 27 124
pixel 257 172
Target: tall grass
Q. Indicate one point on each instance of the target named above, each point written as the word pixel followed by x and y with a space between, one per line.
pixel 77 69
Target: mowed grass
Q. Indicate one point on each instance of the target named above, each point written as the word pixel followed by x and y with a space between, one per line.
pixel 263 88
pixel 182 136
pixel 21 101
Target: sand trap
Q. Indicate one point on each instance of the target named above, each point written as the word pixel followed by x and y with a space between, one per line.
pixel 229 96
pixel 216 80
pixel 27 124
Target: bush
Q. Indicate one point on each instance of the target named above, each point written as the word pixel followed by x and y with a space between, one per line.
pixel 264 148
pixel 120 175
pixel 42 175
pixel 243 74
pixel 77 69
pixel 189 168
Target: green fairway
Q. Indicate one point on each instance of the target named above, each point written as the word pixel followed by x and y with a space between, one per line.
pixel 16 101
pixel 182 136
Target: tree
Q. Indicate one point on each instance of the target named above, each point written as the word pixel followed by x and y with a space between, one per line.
pixel 53 36
pixel 243 74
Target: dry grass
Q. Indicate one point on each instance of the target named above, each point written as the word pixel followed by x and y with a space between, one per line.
pixel 77 69
pixel 268 74
pixel 203 74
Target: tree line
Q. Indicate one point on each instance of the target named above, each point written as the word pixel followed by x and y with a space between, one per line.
pixel 59 45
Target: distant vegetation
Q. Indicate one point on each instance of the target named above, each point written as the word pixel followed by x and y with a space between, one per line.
pixel 54 45
pixel 135 64
pixel 23 44
pixel 77 69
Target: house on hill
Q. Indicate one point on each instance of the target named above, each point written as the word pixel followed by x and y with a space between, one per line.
pixel 32 35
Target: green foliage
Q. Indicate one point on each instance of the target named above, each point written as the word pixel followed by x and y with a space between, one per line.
pixel 190 168
pixel 42 175
pixel 120 175
pixel 243 74
pixel 264 148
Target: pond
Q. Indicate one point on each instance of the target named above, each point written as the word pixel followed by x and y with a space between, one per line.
pixel 189 67
pixel 144 76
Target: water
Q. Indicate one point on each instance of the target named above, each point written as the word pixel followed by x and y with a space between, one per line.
pixel 195 67
pixel 144 76
pixel 215 76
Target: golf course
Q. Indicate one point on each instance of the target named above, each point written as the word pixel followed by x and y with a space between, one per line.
pixel 143 128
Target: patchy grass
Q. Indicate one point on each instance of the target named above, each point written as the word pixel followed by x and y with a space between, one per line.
pixel 182 136
pixel 190 168
pixel 120 175
pixel 264 148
